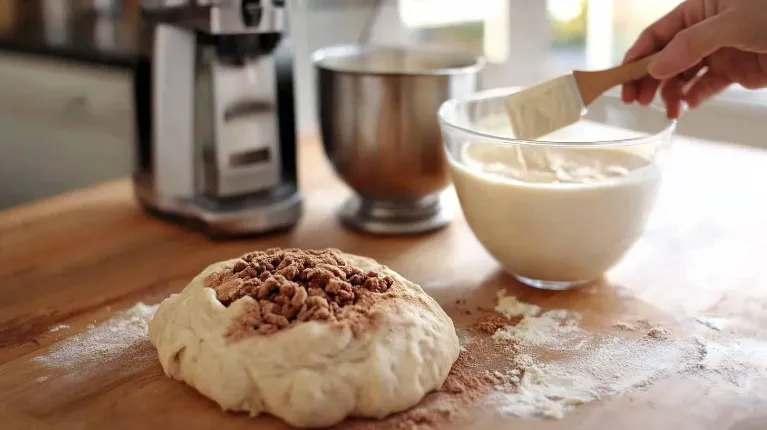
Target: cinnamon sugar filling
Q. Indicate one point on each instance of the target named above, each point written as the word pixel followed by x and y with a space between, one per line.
pixel 291 286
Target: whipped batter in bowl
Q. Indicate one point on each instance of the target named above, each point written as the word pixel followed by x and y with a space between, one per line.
pixel 562 210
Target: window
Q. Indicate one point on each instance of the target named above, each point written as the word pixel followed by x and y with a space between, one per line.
pixel 595 34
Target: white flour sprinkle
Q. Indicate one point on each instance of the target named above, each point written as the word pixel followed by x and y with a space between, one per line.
pixel 729 358
pixel 543 330
pixel 58 327
pixel 565 365
pixel 510 307
pixel 101 343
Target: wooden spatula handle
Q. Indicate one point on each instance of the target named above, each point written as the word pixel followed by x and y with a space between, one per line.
pixel 593 84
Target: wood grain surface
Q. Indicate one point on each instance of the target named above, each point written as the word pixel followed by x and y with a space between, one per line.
pixel 75 260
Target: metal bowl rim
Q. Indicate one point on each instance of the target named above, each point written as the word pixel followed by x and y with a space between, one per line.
pixel 475 63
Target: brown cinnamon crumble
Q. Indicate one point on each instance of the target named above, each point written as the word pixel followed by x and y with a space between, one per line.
pixel 491 323
pixel 291 286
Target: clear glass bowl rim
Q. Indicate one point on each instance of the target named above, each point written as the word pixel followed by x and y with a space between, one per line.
pixel 449 106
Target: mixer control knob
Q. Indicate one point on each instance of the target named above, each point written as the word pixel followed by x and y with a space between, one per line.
pixel 251 12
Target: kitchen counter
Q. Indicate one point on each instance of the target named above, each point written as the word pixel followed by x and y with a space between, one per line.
pixel 70 263
pixel 62 29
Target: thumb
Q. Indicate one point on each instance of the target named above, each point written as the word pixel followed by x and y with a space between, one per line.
pixel 690 46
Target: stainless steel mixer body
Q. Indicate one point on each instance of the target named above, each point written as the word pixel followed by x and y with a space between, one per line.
pixel 377 107
pixel 215 117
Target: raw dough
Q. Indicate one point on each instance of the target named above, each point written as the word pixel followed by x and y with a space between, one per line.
pixel 314 373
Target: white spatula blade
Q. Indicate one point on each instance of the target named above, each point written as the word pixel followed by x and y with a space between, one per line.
pixel 544 108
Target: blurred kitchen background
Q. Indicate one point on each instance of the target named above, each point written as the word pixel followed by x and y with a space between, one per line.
pixel 66 114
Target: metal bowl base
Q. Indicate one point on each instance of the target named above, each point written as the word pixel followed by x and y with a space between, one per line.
pixel 397 218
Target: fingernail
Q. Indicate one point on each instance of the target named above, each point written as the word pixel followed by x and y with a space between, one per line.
pixel 653 69
pixel 671 113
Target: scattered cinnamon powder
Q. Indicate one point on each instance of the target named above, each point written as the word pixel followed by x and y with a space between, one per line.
pixel 291 286
pixel 622 325
pixel 491 323
pixel 420 418
pixel 483 366
pixel 659 333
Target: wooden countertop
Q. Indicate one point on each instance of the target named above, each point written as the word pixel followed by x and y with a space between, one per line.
pixel 77 259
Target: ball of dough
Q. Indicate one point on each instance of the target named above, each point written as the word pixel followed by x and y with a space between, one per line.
pixel 311 337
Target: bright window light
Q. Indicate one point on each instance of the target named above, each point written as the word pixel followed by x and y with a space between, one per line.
pixel 564 10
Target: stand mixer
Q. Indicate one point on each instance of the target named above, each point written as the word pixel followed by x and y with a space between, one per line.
pixel 215 116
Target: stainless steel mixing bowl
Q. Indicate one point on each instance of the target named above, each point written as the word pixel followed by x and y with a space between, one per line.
pixel 378 119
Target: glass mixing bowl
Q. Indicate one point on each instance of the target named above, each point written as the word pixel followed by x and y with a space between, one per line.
pixel 560 211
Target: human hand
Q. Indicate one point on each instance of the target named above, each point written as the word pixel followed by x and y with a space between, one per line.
pixel 704 47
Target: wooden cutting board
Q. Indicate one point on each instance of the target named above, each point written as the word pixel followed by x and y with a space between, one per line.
pixel 70 263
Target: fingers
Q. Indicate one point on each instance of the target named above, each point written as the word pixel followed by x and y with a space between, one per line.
pixel 629 92
pixel 653 38
pixel 647 88
pixel 693 44
pixel 672 96
pixel 674 89
pixel 705 87
pixel 641 90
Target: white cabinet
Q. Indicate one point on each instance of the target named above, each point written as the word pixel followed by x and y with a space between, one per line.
pixel 62 126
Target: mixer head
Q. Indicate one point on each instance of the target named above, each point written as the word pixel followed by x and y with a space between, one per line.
pixel 221 17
